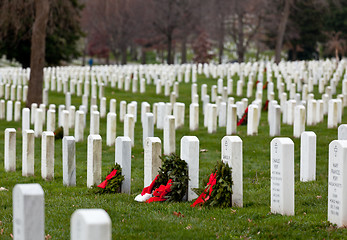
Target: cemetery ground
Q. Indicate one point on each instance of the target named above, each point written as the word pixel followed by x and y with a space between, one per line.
pixel 168 220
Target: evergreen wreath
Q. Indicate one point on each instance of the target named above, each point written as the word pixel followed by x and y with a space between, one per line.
pixel 114 184
pixel 221 195
pixel 176 169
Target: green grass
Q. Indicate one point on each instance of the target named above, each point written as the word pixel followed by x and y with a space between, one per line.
pixel 132 220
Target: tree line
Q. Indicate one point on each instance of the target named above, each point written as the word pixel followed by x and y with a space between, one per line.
pixel 303 28
pixel 130 29
pixel 38 33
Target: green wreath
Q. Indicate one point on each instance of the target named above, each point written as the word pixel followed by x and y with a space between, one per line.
pixel 221 195
pixel 176 169
pixel 114 184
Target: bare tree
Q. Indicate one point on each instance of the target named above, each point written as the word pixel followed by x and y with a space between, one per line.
pixel 244 23
pixel 168 17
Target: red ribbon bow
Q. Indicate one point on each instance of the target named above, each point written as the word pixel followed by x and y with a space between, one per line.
pixel 209 188
pixel 109 177
pixel 150 187
pixel 160 193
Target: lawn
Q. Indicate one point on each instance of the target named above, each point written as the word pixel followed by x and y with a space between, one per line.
pixel 132 220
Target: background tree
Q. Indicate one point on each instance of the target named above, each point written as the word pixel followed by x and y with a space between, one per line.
pixel 29 32
pixel 335 44
pixel 202 48
pixel 62 33
pixel 244 22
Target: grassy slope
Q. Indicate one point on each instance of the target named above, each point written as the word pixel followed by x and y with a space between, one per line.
pixel 134 220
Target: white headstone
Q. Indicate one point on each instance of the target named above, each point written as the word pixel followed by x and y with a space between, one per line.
pixel 160 115
pixel 2 109
pixel 67 100
pixel 252 120
pixel 282 176
pixel 79 126
pixel 17 107
pixel 342 132
pixel 123 158
pixel 152 160
pixel 113 105
pixel 333 113
pixel 10 150
pixel 94 123
pixel 94 148
pixel 231 127
pixel 72 114
pixel 69 161
pixel 169 135
pixel 122 110
pixel 232 154
pixel 212 118
pixel 148 127
pixel 179 113
pixel 9 112
pixel 28 149
pixel 129 128
pixel 299 121
pixel 91 224
pixel 275 124
pixel 194 117
pixel 47 155
pixel 103 107
pixel 337 187
pixel 222 116
pixel 65 122
pixel 190 153
pixel 111 129
pixel 25 119
pixel 308 156
pixel 28 212
pixel 145 108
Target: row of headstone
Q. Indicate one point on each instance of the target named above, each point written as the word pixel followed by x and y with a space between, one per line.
pixel 94 158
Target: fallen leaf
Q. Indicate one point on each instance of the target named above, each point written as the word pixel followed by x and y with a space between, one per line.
pixel 304 214
pixel 249 220
pixel 1 231
pixel 318 197
pixel 203 150
pixel 3 189
pixel 258 232
pixel 290 221
pixel 123 220
pixel 132 156
pixel 48 237
pixel 189 227
pixel 0 223
pixel 11 235
pixel 233 211
pixel 178 214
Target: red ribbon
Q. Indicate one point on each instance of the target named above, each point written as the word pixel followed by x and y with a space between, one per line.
pixel 266 106
pixel 150 187
pixel 160 193
pixel 265 85
pixel 243 117
pixel 208 190
pixel 111 175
